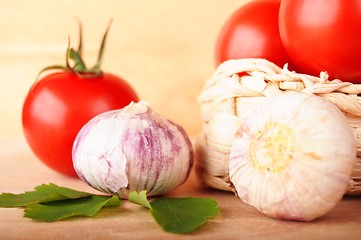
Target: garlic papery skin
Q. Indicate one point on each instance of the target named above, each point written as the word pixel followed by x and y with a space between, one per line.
pixel 293 156
pixel 133 149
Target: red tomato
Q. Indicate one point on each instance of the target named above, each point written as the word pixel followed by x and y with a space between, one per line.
pixel 252 32
pixel 323 35
pixel 58 105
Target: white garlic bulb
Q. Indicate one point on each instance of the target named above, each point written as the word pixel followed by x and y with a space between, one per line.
pixel 132 149
pixel 293 156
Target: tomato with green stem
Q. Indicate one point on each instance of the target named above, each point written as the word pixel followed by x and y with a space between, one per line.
pixel 60 103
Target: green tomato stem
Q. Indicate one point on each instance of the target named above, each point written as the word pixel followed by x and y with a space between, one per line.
pixel 78 67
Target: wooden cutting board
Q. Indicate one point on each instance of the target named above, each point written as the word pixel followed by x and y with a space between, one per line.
pixel 20 171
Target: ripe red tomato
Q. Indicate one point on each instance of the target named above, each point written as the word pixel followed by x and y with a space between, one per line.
pixel 252 32
pixel 59 104
pixel 323 35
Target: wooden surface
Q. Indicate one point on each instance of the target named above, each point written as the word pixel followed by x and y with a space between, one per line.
pixel 165 49
pixel 20 171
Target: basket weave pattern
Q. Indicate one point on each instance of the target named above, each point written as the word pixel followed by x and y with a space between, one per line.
pixel 238 87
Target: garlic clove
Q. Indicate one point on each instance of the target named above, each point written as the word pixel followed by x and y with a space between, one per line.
pixel 133 149
pixel 293 156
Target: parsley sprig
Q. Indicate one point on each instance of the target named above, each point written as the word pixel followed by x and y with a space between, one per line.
pixel 49 202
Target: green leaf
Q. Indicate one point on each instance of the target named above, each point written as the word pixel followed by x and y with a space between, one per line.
pixel 42 194
pixel 96 67
pixel 49 202
pixel 139 198
pixel 183 215
pixel 79 65
pixel 59 210
pixel 177 215
pixel 52 67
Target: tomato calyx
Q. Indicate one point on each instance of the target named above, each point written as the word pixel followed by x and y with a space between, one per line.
pixel 78 65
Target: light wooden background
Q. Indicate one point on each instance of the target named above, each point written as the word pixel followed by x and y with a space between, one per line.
pixel 164 48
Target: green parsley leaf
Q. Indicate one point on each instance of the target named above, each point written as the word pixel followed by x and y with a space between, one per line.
pixel 183 215
pixel 49 202
pixel 178 215
pixel 42 194
pixel 58 210
pixel 139 198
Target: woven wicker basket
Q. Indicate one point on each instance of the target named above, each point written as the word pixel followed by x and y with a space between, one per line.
pixel 238 87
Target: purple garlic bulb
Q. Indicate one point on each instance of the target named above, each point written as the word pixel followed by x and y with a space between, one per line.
pixel 132 149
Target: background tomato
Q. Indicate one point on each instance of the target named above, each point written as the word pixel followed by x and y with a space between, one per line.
pixel 58 105
pixel 323 35
pixel 252 31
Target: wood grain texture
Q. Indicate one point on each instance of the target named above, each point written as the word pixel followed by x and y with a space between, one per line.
pixel 20 171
